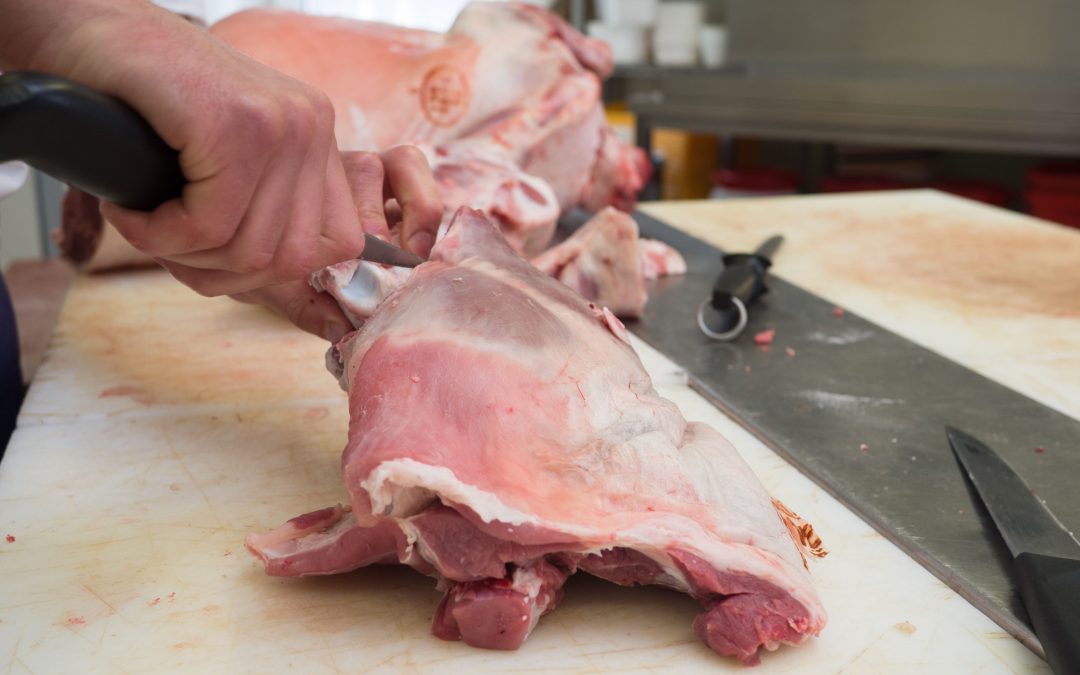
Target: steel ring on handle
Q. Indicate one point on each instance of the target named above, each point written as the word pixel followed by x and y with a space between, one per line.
pixel 726 335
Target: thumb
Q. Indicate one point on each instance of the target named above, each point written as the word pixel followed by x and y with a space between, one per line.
pixel 317 313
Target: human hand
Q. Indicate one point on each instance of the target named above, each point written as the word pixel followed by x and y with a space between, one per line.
pixel 415 209
pixel 268 198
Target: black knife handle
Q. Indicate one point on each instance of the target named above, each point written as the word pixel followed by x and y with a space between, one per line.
pixel 87 139
pixel 741 281
pixel 743 277
pixel 1050 587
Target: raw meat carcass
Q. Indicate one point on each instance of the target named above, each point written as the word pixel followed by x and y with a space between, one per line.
pixel 509 83
pixel 605 261
pixel 503 434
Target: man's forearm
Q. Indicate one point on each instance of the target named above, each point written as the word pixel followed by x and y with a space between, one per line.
pixel 36 34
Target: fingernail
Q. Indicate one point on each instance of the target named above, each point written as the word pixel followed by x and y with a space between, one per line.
pixel 335 330
pixel 421 242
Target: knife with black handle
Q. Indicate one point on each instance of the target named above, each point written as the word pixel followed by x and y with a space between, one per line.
pixel 103 146
pixel 87 139
pixel 742 280
pixel 1046 555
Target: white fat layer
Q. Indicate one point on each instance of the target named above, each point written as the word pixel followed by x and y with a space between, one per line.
pixel 398 487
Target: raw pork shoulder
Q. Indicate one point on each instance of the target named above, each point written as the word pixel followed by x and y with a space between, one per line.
pixel 503 435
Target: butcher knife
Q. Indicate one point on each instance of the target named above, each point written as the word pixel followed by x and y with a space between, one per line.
pixel 723 315
pixel 102 146
pixel 1046 556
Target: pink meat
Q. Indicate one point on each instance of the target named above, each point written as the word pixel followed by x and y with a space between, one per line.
pixel 602 261
pixel 522 206
pixel 606 262
pixel 660 260
pixel 507 431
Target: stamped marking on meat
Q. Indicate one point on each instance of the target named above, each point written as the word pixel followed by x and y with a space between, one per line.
pixel 444 95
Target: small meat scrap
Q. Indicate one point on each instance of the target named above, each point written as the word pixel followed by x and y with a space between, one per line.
pixel 905 627
pixel 765 337
pixel 838 312
pixel 76 621
pixel 1038 451
pixel 864 447
pixel 10 539
pixel 790 352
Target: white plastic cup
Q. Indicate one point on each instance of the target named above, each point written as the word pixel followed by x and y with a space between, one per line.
pixel 713 42
pixel 668 53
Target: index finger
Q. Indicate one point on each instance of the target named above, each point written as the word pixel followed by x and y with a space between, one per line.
pixel 409 181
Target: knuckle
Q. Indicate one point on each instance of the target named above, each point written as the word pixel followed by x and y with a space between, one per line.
pixel 363 165
pixel 406 153
pixel 301 118
pixel 323 108
pixel 428 210
pixel 266 120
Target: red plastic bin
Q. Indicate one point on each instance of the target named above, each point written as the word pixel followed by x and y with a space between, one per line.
pixel 1053 192
pixel 988 193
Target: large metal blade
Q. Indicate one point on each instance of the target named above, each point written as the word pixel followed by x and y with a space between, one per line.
pixel 1022 518
pixel 378 251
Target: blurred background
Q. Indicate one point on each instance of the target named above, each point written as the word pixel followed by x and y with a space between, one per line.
pixel 737 98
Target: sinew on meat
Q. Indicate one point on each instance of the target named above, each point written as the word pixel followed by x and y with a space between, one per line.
pixel 504 435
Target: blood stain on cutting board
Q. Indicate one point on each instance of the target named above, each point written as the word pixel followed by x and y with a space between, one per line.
pixel 136 394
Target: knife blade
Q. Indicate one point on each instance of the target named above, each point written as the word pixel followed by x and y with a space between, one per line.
pixel 102 146
pixel 1046 556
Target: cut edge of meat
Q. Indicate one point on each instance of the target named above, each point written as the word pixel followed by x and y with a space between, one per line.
pixel 81 226
pixel 497 589
pixel 399 487
pixel 731 598
pixel 499 613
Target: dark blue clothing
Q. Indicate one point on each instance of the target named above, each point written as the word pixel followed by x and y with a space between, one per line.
pixel 11 384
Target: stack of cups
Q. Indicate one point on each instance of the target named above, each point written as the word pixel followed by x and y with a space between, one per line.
pixel 624 25
pixel 676 37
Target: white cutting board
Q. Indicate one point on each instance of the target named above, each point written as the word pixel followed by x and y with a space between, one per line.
pixel 163 426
